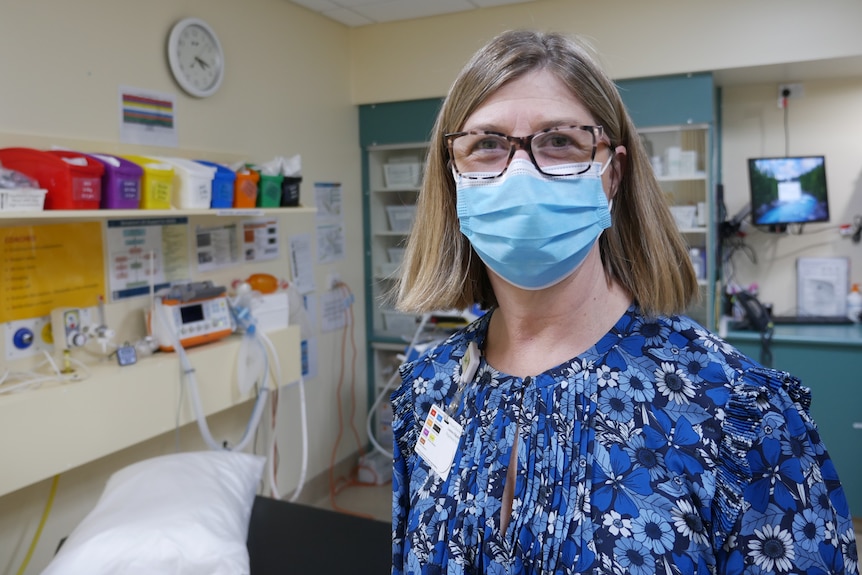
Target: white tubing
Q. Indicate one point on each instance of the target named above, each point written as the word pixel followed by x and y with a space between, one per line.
pixel 389 384
pixel 303 422
pixel 188 372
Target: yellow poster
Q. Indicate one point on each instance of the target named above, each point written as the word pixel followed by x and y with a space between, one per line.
pixel 50 266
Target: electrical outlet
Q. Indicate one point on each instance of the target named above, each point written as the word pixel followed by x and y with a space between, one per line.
pixel 794 91
pixel 28 337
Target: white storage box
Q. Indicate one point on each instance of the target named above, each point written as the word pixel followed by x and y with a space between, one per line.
pixel 685 216
pixel 193 183
pixel 399 323
pixel 402 174
pixel 271 311
pixel 400 217
pixel 396 255
pixel 22 199
pixel 388 269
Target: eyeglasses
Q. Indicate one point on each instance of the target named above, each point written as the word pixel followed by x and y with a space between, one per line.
pixel 489 153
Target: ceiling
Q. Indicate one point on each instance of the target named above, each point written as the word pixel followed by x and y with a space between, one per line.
pixel 362 12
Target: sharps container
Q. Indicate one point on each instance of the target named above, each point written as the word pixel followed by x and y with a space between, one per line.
pixel 157 183
pixel 121 183
pixel 223 185
pixel 73 180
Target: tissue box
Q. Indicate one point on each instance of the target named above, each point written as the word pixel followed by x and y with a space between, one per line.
pixel 685 216
pixel 22 199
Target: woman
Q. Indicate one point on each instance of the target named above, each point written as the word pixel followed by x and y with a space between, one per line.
pixel 581 425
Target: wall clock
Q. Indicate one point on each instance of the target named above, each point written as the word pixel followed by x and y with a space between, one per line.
pixel 196 57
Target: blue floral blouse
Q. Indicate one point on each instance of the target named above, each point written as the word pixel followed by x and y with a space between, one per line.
pixel 661 450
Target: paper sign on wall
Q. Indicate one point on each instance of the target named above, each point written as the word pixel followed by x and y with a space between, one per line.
pixel 49 266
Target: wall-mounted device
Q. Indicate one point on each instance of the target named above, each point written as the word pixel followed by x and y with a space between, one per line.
pixel 197 313
pixel 69 327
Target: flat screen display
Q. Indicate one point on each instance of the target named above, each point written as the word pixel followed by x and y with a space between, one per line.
pixel 788 190
pixel 192 313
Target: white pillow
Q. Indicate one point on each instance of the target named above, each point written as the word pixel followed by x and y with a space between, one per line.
pixel 185 513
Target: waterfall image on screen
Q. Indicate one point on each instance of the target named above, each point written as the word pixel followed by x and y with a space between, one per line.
pixel 790 190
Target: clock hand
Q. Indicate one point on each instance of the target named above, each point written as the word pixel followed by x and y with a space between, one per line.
pixel 202 64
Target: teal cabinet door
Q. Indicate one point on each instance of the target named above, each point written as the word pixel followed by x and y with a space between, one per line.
pixel 834 375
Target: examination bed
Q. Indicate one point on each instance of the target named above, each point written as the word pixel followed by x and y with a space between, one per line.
pixel 198 514
pixel 285 538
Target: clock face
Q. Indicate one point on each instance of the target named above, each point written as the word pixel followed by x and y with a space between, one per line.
pixel 196 57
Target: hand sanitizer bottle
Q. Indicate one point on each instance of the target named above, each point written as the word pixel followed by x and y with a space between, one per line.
pixel 854 304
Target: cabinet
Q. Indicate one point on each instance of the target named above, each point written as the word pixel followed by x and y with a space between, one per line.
pixel 681 159
pixel 394 173
pixel 393 177
pixel 826 359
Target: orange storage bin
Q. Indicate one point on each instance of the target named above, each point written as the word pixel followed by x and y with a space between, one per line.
pixel 245 189
pixel 73 180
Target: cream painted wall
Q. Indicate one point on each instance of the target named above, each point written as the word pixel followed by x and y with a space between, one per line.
pixel 293 81
pixel 420 58
pixel 287 91
pixel 826 120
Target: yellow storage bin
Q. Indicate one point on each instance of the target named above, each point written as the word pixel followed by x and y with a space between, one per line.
pixel 157 183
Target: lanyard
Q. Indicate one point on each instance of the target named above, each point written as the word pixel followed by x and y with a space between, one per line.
pixel 469 365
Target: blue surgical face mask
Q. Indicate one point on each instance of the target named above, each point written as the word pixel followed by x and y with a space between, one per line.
pixel 533 230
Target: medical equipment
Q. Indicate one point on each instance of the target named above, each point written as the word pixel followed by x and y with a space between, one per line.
pixel 177 315
pixel 196 313
pixel 443 322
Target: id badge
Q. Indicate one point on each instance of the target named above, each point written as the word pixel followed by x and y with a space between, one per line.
pixel 438 441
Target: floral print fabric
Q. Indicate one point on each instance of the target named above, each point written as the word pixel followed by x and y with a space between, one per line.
pixel 661 450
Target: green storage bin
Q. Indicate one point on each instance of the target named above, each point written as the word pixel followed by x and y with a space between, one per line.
pixel 269 191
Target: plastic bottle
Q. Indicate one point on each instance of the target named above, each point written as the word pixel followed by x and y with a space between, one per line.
pixel 854 304
pixel 697 262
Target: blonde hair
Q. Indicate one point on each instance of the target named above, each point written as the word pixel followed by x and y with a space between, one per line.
pixel 642 250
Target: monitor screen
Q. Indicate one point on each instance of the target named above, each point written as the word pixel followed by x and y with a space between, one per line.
pixel 789 190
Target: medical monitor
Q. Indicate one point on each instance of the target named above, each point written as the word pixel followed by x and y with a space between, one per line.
pixel 788 190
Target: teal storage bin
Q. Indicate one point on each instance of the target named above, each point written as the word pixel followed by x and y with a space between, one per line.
pixel 223 185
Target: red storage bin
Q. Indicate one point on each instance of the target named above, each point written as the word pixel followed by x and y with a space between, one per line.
pixel 73 180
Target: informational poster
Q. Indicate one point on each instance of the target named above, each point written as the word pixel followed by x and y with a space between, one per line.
pixel 260 239
pixel 333 314
pixel 301 263
pixel 216 247
pixel 147 254
pixel 147 117
pixel 821 286
pixel 329 222
pixel 50 266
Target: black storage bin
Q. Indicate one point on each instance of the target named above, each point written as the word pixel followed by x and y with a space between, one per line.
pixel 290 191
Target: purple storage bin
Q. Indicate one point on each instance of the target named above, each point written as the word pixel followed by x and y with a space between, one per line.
pixel 121 183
